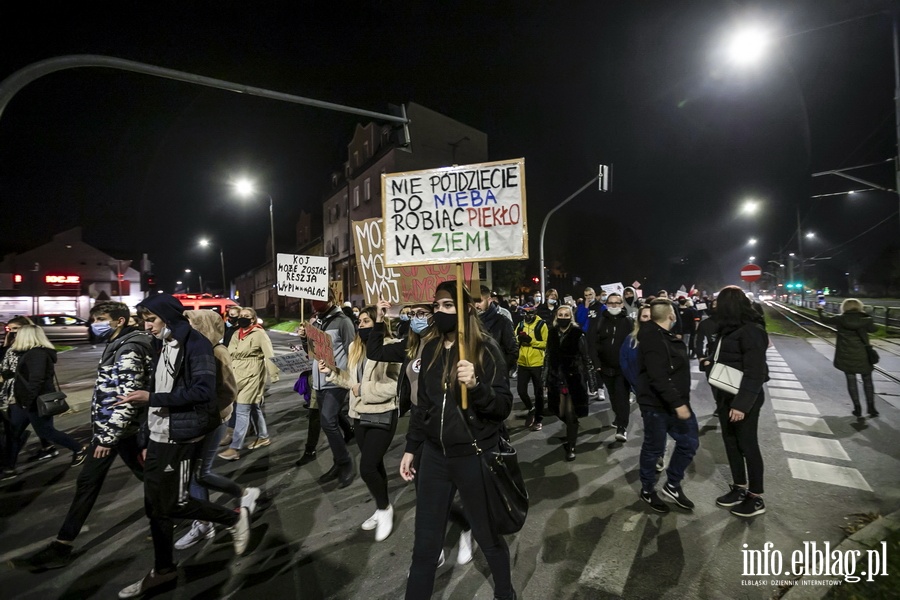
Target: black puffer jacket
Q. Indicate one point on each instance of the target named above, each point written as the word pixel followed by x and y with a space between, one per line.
pixel 438 422
pixel 34 375
pixel 611 331
pixel 744 348
pixel 664 381
pixel 501 330
pixel 853 327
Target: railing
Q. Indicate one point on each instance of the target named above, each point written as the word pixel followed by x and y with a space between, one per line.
pixel 889 316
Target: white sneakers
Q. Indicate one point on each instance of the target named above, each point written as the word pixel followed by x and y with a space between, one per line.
pixel 385 523
pixel 248 500
pixel 370 523
pixel 240 533
pixel 466 548
pixel 199 530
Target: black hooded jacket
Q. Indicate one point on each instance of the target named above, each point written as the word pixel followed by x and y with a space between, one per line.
pixel 34 375
pixel 501 330
pixel 191 405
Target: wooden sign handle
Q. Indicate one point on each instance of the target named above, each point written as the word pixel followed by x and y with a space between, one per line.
pixel 461 310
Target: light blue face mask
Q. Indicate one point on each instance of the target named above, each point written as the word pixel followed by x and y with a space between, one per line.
pixel 101 328
pixel 419 324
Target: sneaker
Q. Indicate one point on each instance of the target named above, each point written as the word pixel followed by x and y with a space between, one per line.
pixel 676 494
pixel 529 420
pixel 308 457
pixel 570 452
pixel 661 464
pixel 466 548
pixel 385 524
pixel 601 396
pixel 240 532
pixel 54 556
pixel 226 441
pixel 9 474
pixel 631 398
pixel 150 581
pixel 260 443
pixel 44 454
pixel 750 506
pixel 199 530
pixel 370 523
pixel 229 454
pixel 79 457
pixel 537 427
pixel 621 435
pixel 249 498
pixel 732 498
pixel 655 502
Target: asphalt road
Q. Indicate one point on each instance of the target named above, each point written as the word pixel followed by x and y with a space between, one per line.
pixel 587 534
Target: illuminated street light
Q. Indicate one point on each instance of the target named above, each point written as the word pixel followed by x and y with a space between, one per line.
pixel 178 282
pixel 205 243
pixel 187 270
pixel 752 241
pixel 752 258
pixel 748 45
pixel 749 207
pixel 810 235
pixel 245 188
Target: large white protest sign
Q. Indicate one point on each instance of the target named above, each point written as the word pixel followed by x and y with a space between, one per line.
pixel 613 288
pixel 301 276
pixel 455 214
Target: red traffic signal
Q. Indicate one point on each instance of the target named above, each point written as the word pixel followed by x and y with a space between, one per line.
pixel 536 279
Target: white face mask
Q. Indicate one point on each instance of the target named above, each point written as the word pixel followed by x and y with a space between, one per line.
pixel 164 334
pixel 551 301
pixel 615 311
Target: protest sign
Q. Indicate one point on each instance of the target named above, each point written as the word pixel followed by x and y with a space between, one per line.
pixel 455 214
pixel 610 288
pixel 302 276
pixel 320 346
pixel 398 285
pixel 293 362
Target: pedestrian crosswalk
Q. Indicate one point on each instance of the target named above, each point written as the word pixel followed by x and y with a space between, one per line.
pixel 804 433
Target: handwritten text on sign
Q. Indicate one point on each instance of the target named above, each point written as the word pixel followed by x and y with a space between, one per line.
pixel 398 285
pixel 457 214
pixel 303 276
pixel 293 362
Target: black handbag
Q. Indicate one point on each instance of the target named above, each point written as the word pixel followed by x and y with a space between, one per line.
pixel 507 498
pixel 382 420
pixel 52 403
pixel 871 353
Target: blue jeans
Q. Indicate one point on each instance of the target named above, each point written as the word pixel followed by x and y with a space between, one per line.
pixel 242 422
pixel 203 478
pixel 19 419
pixel 331 402
pixel 657 424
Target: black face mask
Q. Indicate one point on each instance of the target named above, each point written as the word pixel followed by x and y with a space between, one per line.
pixel 364 333
pixel 563 323
pixel 233 320
pixel 529 318
pixel 445 322
pixel 243 322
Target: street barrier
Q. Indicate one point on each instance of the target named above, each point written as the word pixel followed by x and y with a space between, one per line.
pixel 888 316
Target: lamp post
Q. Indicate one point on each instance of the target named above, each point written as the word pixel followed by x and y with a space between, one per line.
pixel 246 189
pixel 204 243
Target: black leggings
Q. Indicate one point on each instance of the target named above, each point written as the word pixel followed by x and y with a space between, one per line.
pixel 439 479
pixel 742 443
pixel 868 388
pixel 531 375
pixel 373 445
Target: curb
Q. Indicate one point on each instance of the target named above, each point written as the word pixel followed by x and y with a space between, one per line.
pixel 866 538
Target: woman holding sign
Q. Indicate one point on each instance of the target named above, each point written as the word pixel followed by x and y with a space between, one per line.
pixel 373 408
pixel 449 461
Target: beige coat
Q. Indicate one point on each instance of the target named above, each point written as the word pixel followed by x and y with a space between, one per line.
pixel 250 362
pixel 210 324
pixel 378 386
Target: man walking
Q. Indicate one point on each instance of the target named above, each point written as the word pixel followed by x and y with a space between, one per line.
pixel 664 388
pixel 608 335
pixel 125 366
pixel 532 334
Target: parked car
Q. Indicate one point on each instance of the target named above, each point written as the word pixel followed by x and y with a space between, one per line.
pixel 63 328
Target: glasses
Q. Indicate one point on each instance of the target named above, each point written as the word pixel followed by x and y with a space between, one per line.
pixel 420 314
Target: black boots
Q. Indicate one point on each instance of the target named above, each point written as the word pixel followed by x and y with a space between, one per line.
pixel 871 407
pixel 857 409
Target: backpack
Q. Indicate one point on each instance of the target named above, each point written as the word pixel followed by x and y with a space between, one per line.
pixel 537 328
pixel 630 361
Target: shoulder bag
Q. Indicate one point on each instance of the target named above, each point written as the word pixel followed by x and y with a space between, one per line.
pixel 507 498
pixel 871 353
pixel 728 379
pixel 52 403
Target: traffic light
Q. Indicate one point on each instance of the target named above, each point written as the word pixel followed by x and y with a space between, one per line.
pixel 148 280
pixel 536 279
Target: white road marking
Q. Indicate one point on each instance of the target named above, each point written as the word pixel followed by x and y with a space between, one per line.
pixel 794 406
pixel 831 474
pixel 783 376
pixel 610 562
pixel 806 444
pixel 777 369
pixel 807 424
pixel 784 393
pixel 785 384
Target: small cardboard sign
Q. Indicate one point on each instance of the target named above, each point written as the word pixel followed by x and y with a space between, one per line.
pixel 293 362
pixel 320 346
pixel 301 276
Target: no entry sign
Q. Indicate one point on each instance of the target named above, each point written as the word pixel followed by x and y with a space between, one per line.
pixel 751 272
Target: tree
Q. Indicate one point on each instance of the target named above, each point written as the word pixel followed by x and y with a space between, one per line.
pixel 508 275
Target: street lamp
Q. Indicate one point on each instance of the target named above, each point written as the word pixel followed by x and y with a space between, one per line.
pixel 810 235
pixel 204 243
pixel 751 242
pixel 752 258
pixel 749 207
pixel 748 45
pixel 245 188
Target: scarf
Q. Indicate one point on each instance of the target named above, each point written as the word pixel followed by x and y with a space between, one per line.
pixel 242 333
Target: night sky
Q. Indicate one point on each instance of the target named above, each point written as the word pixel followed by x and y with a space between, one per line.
pixel 143 163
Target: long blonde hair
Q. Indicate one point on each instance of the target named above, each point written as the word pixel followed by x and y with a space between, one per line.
pixel 637 325
pixel 852 305
pixel 30 336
